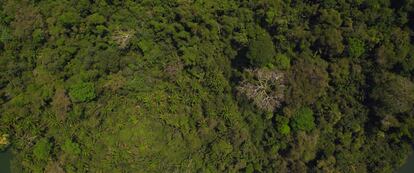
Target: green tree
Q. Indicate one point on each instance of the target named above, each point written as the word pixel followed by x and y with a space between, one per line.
pixel 82 92
pixel 71 147
pixel 38 36
pixel 303 119
pixel 282 125
pixel 330 17
pixel 96 19
pixel 42 149
pixel 331 41
pixel 222 148
pixel 69 19
pixel 282 62
pixel 356 47
pixel 261 50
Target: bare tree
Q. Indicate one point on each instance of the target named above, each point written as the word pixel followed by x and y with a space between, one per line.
pixel 266 90
pixel 122 38
pixel 61 104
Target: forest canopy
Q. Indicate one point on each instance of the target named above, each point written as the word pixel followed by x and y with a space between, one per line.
pixel 302 86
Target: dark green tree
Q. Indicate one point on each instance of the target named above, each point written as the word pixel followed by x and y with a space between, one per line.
pixel 261 50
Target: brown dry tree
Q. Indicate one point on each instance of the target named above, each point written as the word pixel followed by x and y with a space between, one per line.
pixel 265 89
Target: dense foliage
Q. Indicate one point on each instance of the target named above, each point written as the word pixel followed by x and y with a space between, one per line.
pixel 207 85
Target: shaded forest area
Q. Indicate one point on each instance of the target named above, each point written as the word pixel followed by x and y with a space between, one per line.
pixel 317 86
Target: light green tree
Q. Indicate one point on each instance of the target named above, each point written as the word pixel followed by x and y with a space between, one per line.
pixel 303 120
pixel 42 149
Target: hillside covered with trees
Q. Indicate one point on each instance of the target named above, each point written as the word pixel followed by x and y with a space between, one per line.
pixel 254 86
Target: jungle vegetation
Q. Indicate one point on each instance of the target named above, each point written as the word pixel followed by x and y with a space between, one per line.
pixel 254 86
